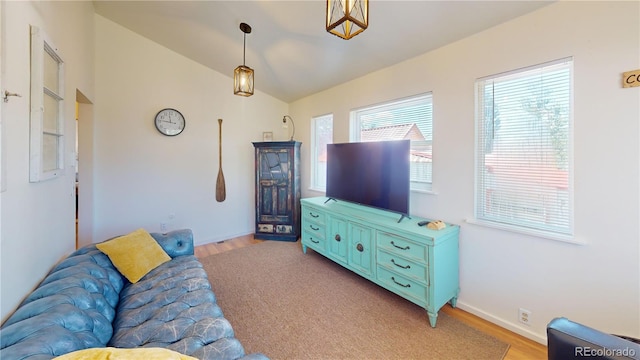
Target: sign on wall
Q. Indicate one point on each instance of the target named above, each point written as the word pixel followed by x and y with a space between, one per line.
pixel 631 78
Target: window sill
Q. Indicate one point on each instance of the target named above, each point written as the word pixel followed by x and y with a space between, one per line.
pixel 316 189
pixel 571 239
pixel 428 192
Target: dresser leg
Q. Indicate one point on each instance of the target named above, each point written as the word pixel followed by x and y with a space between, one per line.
pixel 304 248
pixel 453 301
pixel 432 318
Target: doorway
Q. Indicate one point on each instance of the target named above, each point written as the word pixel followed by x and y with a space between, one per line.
pixel 84 170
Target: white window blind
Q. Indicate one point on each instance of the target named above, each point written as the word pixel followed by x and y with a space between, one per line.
pixel 322 134
pixel 410 118
pixel 524 149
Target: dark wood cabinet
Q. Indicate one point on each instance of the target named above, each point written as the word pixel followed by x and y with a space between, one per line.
pixel 277 166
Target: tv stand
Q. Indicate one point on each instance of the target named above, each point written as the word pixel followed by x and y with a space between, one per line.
pixel 329 199
pixel 402 217
pixel 415 262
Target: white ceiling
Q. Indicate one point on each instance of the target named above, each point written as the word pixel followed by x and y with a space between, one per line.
pixel 292 54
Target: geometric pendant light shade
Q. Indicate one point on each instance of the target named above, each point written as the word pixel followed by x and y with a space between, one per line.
pixel 347 18
pixel 243 75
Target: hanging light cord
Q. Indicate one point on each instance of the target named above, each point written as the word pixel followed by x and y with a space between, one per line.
pixel 244 48
pixel 246 29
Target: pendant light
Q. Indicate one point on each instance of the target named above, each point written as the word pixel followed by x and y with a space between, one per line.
pixel 243 75
pixel 347 18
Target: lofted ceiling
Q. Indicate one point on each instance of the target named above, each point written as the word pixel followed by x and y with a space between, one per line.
pixel 292 54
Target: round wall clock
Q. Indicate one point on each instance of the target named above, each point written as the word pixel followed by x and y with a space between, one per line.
pixel 169 122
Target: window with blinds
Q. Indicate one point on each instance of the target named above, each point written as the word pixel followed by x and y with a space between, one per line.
pixel 321 135
pixel 409 118
pixel 524 149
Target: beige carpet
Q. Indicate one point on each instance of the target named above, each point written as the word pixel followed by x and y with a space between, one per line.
pixel 289 305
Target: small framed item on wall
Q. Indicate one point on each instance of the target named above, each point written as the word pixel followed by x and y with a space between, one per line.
pixel 267 136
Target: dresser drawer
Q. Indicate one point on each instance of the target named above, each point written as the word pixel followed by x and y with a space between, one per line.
pixel 314 229
pixel 409 269
pixel 313 241
pixel 401 246
pixel 312 215
pixel 403 286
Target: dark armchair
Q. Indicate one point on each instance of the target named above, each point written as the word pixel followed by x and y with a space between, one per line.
pixel 569 340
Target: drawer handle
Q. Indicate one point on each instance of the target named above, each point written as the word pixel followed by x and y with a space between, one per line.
pixel 400 266
pixel 314 215
pixel 313 228
pixel 401 284
pixel 360 248
pixel 400 247
pixel 338 238
pixel 314 241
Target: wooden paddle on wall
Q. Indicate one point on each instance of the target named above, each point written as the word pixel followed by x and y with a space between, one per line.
pixel 221 191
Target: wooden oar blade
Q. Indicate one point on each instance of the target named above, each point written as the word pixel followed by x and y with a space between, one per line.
pixel 221 191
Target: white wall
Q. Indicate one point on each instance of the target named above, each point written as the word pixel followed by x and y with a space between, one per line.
pixel 38 226
pixel 597 283
pixel 142 178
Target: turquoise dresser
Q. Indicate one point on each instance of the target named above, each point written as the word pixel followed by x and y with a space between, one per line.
pixel 415 262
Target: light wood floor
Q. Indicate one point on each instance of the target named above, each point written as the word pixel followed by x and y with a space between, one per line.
pixel 521 348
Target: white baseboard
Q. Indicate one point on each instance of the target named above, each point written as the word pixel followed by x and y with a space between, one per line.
pixel 502 323
pixel 222 238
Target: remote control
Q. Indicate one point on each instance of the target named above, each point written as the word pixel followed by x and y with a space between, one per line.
pixel 423 223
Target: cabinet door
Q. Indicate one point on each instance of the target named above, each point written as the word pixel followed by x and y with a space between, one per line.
pixel 361 248
pixel 338 239
pixel 274 189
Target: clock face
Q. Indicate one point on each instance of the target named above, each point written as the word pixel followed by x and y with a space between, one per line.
pixel 169 122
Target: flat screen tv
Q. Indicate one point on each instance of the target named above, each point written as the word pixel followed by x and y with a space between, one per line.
pixel 370 173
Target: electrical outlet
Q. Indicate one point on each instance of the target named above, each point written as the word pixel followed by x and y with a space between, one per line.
pixel 163 228
pixel 524 316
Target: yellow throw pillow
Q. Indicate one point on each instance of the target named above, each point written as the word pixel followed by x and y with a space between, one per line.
pixel 110 353
pixel 135 254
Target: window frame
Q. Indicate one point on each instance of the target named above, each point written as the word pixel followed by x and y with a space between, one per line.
pixel 561 233
pixel 314 185
pixel 355 129
pixel 41 47
pixel 3 141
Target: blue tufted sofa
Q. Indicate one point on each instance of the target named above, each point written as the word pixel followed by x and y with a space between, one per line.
pixel 84 302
